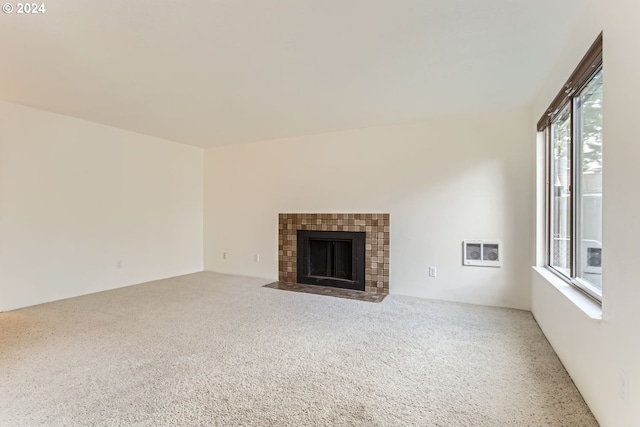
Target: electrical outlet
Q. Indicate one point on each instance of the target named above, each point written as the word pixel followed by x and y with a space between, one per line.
pixel 256 257
pixel 433 272
pixel 119 264
pixel 224 255
pixel 623 386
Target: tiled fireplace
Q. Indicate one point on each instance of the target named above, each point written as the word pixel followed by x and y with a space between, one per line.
pixel 375 227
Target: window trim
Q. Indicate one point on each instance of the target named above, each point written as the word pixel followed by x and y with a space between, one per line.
pixel 587 67
pixel 590 64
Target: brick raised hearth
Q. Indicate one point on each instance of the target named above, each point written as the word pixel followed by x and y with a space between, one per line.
pixel 376 227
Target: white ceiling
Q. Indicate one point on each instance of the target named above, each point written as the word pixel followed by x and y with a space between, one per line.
pixel 215 72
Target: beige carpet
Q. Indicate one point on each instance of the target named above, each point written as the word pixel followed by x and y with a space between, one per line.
pixel 209 349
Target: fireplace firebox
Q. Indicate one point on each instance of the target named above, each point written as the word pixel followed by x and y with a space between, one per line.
pixel 331 258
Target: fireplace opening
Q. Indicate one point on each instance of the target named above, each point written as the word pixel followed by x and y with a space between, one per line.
pixel 331 258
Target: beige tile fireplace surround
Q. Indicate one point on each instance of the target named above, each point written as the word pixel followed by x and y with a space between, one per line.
pixel 375 226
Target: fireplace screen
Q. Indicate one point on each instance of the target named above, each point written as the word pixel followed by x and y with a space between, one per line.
pixel 331 258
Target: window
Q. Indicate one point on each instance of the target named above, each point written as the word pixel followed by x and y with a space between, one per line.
pixel 573 130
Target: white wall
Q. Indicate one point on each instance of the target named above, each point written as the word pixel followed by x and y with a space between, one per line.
pixel 76 197
pixel 442 180
pixel 595 351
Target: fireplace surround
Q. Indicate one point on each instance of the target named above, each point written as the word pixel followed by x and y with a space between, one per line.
pixel 376 251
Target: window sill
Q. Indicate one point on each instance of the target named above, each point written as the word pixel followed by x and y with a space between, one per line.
pixel 589 307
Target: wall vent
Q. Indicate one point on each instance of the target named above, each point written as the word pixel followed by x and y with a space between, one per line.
pixel 481 253
pixel 592 256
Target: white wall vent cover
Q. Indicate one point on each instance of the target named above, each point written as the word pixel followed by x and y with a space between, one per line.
pixel 592 256
pixel 481 253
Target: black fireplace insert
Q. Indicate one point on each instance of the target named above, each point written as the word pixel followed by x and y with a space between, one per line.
pixel 331 258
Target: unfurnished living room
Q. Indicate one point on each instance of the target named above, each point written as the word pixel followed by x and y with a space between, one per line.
pixel 319 213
